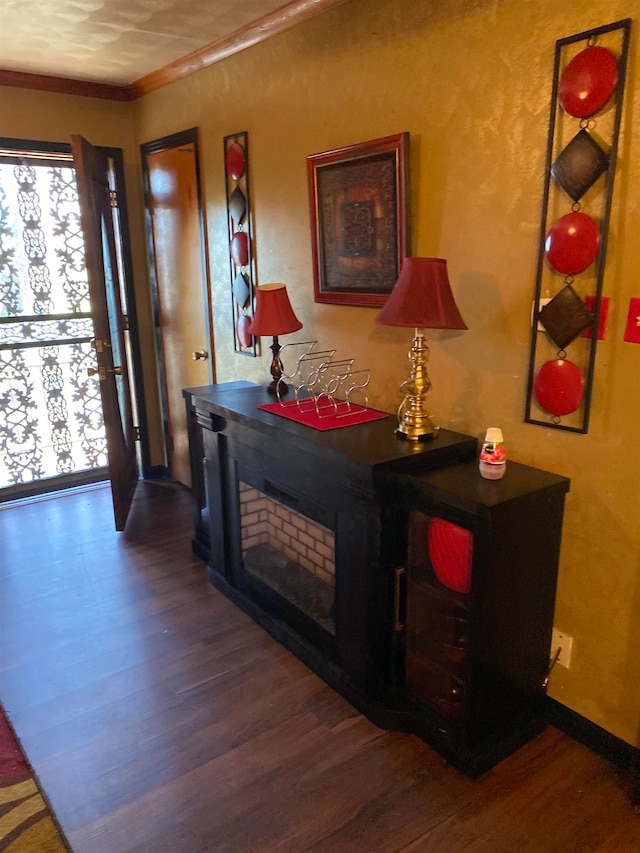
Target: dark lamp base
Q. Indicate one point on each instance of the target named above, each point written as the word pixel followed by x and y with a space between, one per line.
pixel 277 388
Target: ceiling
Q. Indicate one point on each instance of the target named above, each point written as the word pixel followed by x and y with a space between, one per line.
pixel 119 42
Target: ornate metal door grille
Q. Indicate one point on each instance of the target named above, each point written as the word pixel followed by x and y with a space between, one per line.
pixel 51 422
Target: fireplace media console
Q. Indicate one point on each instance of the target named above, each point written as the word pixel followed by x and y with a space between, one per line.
pixel 421 592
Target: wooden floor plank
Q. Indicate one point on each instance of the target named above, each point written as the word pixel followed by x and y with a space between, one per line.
pixel 161 719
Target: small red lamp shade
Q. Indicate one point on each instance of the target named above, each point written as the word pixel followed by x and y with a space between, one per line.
pixel 422 297
pixel 273 313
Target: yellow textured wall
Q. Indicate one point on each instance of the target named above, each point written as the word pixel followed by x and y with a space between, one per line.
pixel 471 81
pixel 27 114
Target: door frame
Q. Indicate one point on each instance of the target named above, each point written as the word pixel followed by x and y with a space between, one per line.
pixel 164 143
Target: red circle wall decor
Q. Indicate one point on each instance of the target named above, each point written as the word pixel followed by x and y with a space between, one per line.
pixel 235 161
pixel 242 330
pixel 588 82
pixel 240 248
pixel 572 243
pixel 559 386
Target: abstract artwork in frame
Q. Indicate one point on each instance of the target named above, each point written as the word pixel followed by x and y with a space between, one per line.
pixel 359 220
pixel 241 258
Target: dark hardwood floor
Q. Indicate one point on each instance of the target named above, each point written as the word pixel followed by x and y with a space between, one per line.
pixel 161 719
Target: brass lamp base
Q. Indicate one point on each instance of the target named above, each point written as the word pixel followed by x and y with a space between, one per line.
pixel 414 422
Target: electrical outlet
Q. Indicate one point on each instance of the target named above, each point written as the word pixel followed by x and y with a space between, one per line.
pixel 562 641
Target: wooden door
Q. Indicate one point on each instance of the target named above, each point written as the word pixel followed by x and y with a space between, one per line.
pixel 178 260
pixel 109 320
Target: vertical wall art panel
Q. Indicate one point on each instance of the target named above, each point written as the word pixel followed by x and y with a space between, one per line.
pixel 568 308
pixel 241 258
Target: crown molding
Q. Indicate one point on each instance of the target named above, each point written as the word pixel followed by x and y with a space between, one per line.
pixel 269 25
pixel 64 85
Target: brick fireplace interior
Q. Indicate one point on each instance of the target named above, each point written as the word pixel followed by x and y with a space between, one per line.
pixel 290 553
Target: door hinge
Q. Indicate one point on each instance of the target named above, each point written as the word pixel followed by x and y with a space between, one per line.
pixel 136 433
pixel 100 372
pixel 99 345
pixel 113 198
pixel 125 322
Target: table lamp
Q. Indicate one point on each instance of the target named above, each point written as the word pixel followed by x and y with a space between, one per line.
pixel 421 298
pixel 273 315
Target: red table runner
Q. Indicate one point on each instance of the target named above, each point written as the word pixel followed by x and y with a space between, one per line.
pixel 326 416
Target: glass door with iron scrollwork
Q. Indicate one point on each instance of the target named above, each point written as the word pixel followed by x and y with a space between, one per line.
pixel 52 432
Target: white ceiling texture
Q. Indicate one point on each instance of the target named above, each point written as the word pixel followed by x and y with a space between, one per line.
pixel 121 41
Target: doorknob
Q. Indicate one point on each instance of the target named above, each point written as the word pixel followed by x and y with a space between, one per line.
pixel 200 355
pixel 117 370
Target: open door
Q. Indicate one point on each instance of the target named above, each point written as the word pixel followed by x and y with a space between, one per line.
pixel 178 263
pixel 109 319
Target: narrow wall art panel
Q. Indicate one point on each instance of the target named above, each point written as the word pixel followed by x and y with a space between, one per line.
pixel 582 158
pixel 241 256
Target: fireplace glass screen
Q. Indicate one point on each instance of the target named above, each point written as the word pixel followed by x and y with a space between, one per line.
pixel 290 553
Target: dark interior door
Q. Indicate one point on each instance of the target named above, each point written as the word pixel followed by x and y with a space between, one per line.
pixel 111 345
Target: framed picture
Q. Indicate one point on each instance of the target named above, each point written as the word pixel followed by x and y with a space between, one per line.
pixel 359 220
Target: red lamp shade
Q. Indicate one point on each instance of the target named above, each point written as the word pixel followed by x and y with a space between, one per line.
pixel 273 313
pixel 422 297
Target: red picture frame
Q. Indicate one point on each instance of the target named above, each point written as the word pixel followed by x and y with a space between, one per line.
pixel 359 220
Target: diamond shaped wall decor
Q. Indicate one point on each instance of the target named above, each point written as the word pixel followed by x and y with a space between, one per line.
pixel 579 165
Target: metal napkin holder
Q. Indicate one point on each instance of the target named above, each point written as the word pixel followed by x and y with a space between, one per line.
pixel 321 382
